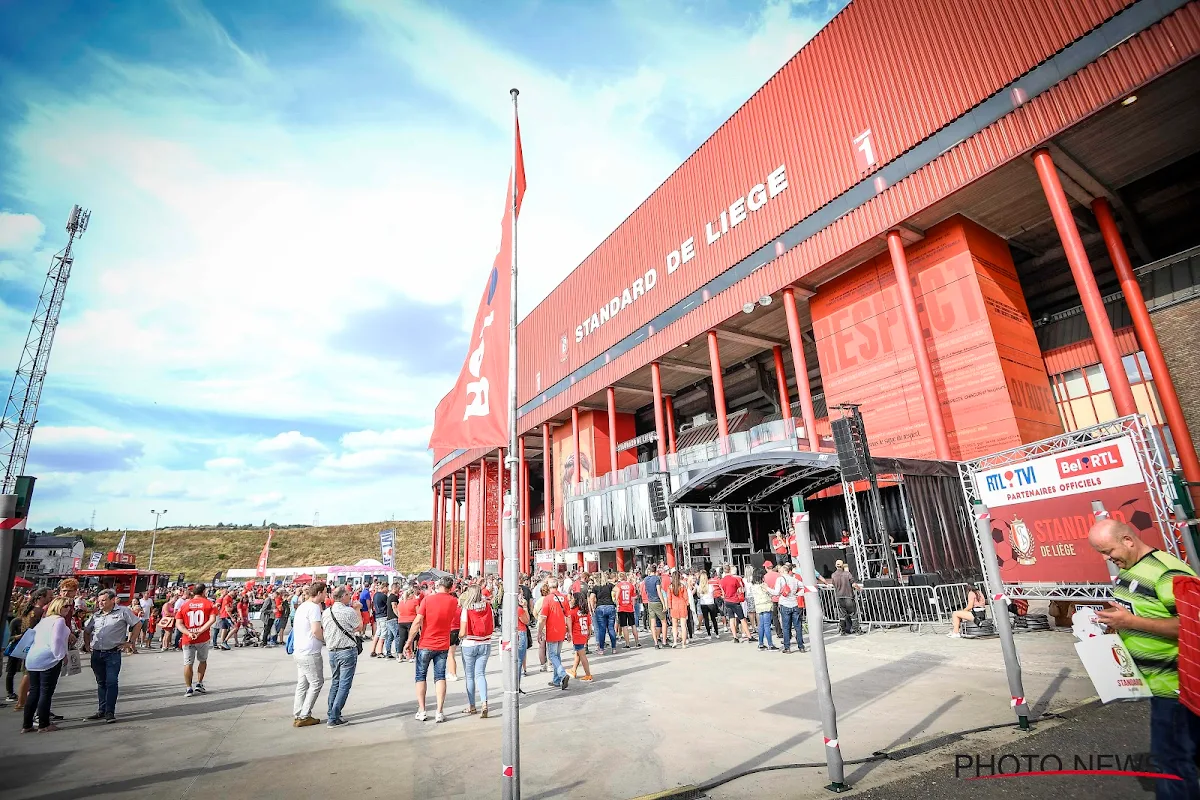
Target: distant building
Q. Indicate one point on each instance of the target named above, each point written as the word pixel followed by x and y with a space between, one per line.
pixel 49 555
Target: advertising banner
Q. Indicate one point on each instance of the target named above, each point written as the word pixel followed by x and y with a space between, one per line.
pixel 261 570
pixel 387 547
pixel 75 562
pixel 94 561
pixel 1041 510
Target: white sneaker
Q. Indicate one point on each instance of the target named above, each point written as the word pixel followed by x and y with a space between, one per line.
pixel 455 678
pixel 422 716
pixel 953 635
pixel 440 717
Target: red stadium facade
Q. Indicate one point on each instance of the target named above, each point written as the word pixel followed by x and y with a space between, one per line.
pixel 976 222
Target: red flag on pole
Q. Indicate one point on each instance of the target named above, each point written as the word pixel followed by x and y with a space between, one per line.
pixel 475 413
pixel 262 557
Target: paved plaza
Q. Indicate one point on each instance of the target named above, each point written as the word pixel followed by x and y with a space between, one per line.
pixel 651 720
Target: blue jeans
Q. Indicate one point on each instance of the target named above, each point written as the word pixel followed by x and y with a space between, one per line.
pixel 106 666
pixel 522 649
pixel 391 633
pixel 606 622
pixel 764 629
pixel 437 657
pixel 475 658
pixel 552 650
pixel 342 664
pixel 637 611
pixel 789 619
pixel 1173 741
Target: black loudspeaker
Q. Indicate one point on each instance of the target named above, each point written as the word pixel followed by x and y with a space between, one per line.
pixel 755 560
pixel 925 579
pixel 880 583
pixel 658 503
pixel 851 442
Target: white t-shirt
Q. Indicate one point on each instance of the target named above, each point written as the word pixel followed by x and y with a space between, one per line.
pixel 146 604
pixel 303 642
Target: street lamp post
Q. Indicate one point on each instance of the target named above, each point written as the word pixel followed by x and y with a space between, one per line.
pixel 154 536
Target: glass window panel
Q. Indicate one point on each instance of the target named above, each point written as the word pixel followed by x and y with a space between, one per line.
pixel 1106 409
pixel 1141 357
pixel 1064 414
pixel 1058 397
pixel 1162 418
pixel 1131 368
pixel 1145 405
pixel 1083 413
pixel 1097 380
pixel 1075 383
pixel 1169 441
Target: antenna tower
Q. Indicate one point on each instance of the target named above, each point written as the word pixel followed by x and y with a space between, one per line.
pixel 20 412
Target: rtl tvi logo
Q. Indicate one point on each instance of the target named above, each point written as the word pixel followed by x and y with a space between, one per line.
pixel 1011 479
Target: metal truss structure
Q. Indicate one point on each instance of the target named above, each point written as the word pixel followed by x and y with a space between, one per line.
pixel 20 412
pixel 1154 471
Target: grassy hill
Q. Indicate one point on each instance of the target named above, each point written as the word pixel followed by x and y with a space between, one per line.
pixel 199 553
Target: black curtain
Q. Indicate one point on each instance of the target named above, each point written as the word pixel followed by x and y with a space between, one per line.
pixel 943 526
pixel 829 515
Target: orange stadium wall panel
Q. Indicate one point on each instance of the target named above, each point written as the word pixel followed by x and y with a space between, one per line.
pixel 981 343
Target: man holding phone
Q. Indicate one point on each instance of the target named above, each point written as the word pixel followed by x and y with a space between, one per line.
pixel 1145 618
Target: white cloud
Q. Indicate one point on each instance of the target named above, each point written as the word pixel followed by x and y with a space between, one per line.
pixel 290 446
pixel 19 232
pixel 267 500
pixel 225 464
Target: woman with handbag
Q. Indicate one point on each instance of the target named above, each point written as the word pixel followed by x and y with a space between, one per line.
pixel 31 615
pixel 475 628
pixel 44 663
pixel 166 624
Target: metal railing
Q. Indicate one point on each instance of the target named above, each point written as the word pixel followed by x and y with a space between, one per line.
pixel 887 607
pixel 953 596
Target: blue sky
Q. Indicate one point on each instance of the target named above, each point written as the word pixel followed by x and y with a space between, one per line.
pixel 294 205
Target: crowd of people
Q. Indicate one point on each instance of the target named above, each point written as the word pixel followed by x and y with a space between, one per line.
pixel 431 624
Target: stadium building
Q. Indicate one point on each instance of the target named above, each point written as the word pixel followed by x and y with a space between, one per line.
pixel 976 222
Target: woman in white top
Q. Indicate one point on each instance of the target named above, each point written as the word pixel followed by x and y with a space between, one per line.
pixel 44 663
pixel 708 607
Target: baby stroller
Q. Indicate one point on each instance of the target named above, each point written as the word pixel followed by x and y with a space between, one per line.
pixel 247 636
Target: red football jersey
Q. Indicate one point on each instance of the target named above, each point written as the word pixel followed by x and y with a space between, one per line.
pixel 196 612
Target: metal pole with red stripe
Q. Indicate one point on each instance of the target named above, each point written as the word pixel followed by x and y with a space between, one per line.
pixel 816 629
pixel 995 587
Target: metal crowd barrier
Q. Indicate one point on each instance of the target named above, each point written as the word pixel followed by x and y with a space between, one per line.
pixel 887 607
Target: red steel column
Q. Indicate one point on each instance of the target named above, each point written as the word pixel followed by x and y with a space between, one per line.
pixel 1085 282
pixel 612 428
pixel 714 363
pixel 500 512
pixel 912 323
pixel 454 523
pixel 785 402
pixel 656 384
pixel 670 555
pixel 1148 339
pixel 803 391
pixel 526 525
pixel 620 560
pixel 433 528
pixel 467 523
pixel 442 533
pixel 669 403
pixel 575 441
pixel 548 498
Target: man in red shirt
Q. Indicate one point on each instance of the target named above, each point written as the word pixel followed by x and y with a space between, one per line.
pixel 436 616
pixel 553 620
pixel 733 590
pixel 195 619
pixel 624 593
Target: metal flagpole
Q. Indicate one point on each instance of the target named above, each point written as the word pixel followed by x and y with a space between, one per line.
pixel 511 749
pixel 995 586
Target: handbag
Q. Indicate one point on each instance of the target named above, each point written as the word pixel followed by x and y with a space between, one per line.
pixel 74 664
pixel 19 648
pixel 289 645
pixel 358 641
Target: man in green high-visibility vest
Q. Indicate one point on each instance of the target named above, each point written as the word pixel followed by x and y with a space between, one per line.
pixel 1144 616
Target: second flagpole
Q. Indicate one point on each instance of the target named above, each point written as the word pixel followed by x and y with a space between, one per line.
pixel 511 747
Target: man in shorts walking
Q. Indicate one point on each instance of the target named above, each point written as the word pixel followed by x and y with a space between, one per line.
pixel 656 608
pixel 733 590
pixel 625 594
pixel 436 615
pixel 194 621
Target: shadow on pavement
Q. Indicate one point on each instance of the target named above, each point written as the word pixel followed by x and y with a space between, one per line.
pixel 133 784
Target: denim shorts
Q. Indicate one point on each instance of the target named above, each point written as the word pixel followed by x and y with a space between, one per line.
pixel 437 657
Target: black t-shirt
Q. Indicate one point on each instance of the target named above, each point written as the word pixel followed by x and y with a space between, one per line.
pixel 379 601
pixel 603 594
pixel 392 600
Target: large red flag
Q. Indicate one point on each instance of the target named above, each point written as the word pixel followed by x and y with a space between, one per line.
pixel 262 557
pixel 475 413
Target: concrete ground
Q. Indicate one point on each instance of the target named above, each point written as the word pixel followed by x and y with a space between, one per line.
pixel 652 720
